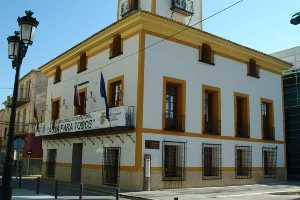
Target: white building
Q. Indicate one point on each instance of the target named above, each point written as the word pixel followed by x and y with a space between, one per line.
pixel 291 55
pixel 188 110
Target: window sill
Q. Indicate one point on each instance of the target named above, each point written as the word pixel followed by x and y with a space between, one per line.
pixel 212 177
pixel 181 11
pixel 208 63
pixel 82 70
pixel 253 75
pixel 55 82
pixel 114 56
pixel 173 179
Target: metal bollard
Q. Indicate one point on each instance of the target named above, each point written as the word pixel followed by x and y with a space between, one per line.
pixel 80 191
pixel 20 181
pixel 117 193
pixel 56 189
pixel 38 184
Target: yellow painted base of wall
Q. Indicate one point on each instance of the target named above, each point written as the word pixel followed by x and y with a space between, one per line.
pixel 133 180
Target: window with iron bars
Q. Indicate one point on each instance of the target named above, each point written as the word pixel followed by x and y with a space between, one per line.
pixel 212 161
pixel 243 162
pixel 269 156
pixel 173 161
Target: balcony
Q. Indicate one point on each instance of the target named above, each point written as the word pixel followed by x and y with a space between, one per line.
pixel 174 123
pixel 268 133
pixel 185 7
pixel 212 128
pixel 23 100
pixel 121 118
pixel 129 6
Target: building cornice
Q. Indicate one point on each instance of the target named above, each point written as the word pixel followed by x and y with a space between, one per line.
pixel 152 24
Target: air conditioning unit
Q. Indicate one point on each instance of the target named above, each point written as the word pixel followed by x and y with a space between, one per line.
pixel 185 7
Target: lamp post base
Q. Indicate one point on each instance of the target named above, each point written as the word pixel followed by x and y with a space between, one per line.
pixel 6 193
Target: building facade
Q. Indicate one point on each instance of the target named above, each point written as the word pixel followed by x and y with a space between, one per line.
pixel 2 127
pixel 292 110
pixel 31 105
pixel 186 110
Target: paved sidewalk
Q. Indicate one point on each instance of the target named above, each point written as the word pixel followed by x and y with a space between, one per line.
pixel 22 194
pixel 247 192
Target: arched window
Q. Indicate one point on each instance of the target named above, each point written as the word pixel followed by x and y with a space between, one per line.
pixel 116 46
pixel 82 65
pixel 253 69
pixel 206 54
pixel 57 76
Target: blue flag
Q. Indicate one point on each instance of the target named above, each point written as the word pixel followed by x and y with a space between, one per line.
pixel 103 95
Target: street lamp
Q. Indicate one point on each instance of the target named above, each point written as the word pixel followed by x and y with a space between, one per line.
pixel 295 19
pixel 17 49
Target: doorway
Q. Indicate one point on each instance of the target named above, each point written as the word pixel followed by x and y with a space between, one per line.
pixel 76 163
pixel 111 166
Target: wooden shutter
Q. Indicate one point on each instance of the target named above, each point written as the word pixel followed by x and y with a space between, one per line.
pixel 253 69
pixel 116 48
pixel 55 110
pixel 206 54
pixel 57 75
pixel 82 98
pixel 82 62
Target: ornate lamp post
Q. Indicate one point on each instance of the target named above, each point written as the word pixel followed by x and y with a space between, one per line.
pixel 17 48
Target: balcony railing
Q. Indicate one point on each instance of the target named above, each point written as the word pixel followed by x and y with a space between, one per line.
pixel 212 128
pixel 242 132
pixel 120 117
pixel 185 7
pixel 174 123
pixel 127 7
pixel 268 133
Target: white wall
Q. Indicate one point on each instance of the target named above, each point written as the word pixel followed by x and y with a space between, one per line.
pixel 194 151
pixel 290 55
pixel 93 153
pixel 111 68
pixel 181 62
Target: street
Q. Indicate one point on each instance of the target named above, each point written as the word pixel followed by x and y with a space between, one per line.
pixel 284 191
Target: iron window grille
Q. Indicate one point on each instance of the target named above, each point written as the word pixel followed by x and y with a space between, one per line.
pixel 253 69
pixel 173 161
pixel 185 7
pixel 269 155
pixel 111 166
pixel 212 161
pixel 243 162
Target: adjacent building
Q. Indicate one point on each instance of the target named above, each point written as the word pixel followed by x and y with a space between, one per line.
pixel 187 108
pixel 31 106
pixel 291 81
pixel 2 127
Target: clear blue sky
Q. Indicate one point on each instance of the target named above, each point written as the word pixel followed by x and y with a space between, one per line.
pixel 260 24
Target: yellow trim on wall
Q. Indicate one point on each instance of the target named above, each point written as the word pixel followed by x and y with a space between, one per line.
pixel 140 101
pixel 152 23
pixel 268 101
pixel 206 136
pixel 218 91
pixel 246 96
pixel 109 82
pixel 182 96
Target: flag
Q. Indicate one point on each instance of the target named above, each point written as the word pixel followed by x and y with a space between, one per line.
pixel 103 95
pixel 76 98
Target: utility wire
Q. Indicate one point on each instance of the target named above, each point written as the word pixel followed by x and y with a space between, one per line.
pixel 151 45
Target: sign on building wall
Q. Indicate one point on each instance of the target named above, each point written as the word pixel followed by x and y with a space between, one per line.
pixel 90 121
